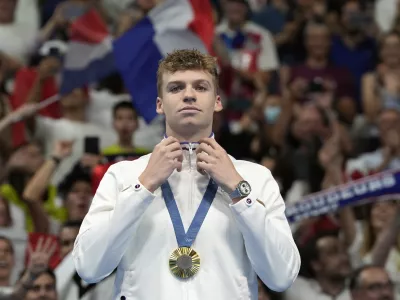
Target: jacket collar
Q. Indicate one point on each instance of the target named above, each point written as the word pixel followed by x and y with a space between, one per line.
pixel 190 145
pixel 189 153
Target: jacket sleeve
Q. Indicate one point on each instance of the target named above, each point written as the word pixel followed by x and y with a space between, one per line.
pixel 268 239
pixel 107 229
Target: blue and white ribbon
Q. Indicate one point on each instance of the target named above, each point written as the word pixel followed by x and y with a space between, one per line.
pixel 377 187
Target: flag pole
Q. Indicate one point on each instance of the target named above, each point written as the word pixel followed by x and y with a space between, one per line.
pixel 38 106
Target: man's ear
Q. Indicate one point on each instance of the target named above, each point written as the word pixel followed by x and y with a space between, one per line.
pixel 159 106
pixel 218 104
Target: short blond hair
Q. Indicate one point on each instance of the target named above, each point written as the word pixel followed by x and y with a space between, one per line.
pixel 184 60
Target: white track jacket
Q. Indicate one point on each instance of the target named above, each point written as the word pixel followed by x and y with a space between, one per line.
pixel 129 228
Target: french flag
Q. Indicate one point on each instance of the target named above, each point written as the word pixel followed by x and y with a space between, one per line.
pixel 90 56
pixel 171 25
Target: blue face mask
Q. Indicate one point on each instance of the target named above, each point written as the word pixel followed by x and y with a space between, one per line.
pixel 271 114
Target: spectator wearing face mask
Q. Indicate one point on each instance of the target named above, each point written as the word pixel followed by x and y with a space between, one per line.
pixel 263 147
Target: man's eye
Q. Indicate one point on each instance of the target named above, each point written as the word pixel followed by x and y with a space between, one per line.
pixel 175 89
pixel 201 88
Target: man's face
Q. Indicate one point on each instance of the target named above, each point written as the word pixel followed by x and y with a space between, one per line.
pixel 382 214
pixel 388 120
pixel 333 261
pixel 7 9
pixel 28 157
pixel 235 12
pixel 188 100
pixel 74 101
pixel 308 124
pixel 36 158
pixel 67 239
pixel 374 284
pixel 125 122
pixel 44 288
pixel 389 127
pixel 352 16
pixel 317 41
pixel 147 5
pixel 390 50
pixel 78 200
pixel 6 260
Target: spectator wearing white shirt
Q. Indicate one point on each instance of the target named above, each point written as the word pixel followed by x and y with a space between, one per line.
pixel 16 33
pixel 73 126
pixel 385 12
pixel 252 52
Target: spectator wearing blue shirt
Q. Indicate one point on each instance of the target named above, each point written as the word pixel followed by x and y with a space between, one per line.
pixel 353 48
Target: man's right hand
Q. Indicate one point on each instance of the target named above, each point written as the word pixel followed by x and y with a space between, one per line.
pixel 166 157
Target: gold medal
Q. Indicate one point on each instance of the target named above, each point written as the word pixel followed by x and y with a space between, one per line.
pixel 184 262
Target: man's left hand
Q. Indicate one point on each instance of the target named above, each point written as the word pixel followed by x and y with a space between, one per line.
pixel 214 160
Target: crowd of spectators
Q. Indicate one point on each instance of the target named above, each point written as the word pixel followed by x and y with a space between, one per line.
pixel 311 90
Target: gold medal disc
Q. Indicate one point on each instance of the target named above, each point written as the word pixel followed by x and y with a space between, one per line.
pixel 184 262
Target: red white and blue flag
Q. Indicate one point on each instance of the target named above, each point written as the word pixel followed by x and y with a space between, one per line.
pixel 89 57
pixel 171 25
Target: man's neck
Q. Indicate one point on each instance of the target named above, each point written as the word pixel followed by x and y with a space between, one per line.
pixel 7 21
pixel 77 116
pixel 279 4
pixel 4 282
pixel 317 62
pixel 351 40
pixel 331 287
pixel 235 26
pixel 189 136
pixel 125 143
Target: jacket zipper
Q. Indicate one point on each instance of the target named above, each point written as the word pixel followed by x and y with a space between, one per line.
pixel 190 206
pixel 190 156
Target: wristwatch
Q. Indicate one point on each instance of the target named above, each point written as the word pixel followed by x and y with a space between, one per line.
pixel 243 189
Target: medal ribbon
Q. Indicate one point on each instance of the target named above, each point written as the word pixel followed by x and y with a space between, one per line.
pixel 187 239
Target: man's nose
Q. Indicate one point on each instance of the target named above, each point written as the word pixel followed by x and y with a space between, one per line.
pixel 189 99
pixel 387 294
pixel 189 95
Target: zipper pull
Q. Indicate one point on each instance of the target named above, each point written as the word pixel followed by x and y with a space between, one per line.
pixel 190 148
pixel 190 155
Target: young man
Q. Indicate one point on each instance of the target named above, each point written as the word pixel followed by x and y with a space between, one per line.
pixel 326 266
pixel 187 221
pixel 43 287
pixel 125 124
pixel 371 283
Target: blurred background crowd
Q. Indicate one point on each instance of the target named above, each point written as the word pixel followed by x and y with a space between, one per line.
pixel 311 90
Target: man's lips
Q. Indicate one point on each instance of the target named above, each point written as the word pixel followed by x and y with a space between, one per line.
pixel 189 108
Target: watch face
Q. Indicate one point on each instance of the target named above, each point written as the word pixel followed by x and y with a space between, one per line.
pixel 244 188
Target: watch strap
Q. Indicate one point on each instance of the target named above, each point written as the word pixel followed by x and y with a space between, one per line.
pixel 236 193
